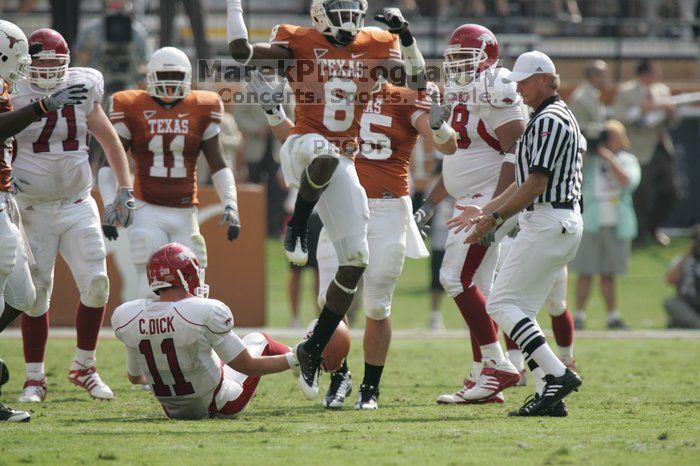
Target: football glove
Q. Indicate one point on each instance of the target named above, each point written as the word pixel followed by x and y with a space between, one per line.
pixel 438 113
pixel 422 216
pixel 231 216
pixel 268 97
pixel 121 211
pixel 71 95
pixel 488 240
pixel 394 19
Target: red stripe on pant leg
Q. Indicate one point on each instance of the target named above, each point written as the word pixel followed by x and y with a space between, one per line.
pixel 471 301
pixel 563 328
pixel 88 321
pixel 35 334
pixel 274 347
pixel 510 344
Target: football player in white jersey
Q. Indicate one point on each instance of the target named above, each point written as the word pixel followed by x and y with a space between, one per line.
pixel 183 344
pixel 17 293
pixel 53 180
pixel 488 116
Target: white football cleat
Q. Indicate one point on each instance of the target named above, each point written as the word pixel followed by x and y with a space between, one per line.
pixel 458 398
pixel 90 380
pixel 340 388
pixel 34 391
pixel 494 378
pixel 368 399
pixel 295 245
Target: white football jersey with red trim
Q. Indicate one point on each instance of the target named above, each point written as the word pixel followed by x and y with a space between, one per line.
pixel 51 158
pixel 180 346
pixel 473 170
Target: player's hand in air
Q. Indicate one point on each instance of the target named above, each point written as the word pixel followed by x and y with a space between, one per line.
pixel 269 98
pixel 231 217
pixel 422 217
pixel 394 19
pixel 71 95
pixel 438 112
pixel 470 214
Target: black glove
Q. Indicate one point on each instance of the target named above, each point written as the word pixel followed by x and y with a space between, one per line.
pixel 110 232
pixel 422 216
pixel 71 95
pixel 394 19
pixel 231 216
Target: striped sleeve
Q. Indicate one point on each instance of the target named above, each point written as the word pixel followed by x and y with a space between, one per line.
pixel 549 141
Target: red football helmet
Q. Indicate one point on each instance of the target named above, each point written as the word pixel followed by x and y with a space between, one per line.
pixel 471 50
pixel 176 265
pixel 49 67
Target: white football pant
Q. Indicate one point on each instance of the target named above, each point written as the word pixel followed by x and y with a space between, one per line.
pixel 16 287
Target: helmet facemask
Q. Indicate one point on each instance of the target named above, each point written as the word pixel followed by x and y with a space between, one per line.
pixel 48 69
pixel 463 64
pixel 340 19
pixel 21 72
pixel 169 85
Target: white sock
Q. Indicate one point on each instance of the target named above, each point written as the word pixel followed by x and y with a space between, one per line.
pixel 83 359
pixel 476 369
pixel 548 361
pixel 614 315
pixel 580 314
pixel 538 375
pixel 35 370
pixel 516 357
pixel 566 352
pixel 493 352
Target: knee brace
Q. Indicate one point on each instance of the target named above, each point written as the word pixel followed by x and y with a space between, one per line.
pixel 42 302
pixel 97 292
pixel 377 311
pixel 450 283
pixel 199 247
pixel 8 251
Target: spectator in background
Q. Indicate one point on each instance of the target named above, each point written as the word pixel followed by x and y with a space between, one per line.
pixel 643 106
pixel 195 12
pixel 585 101
pixel 684 310
pixel 64 18
pixel 610 177
pixel 115 44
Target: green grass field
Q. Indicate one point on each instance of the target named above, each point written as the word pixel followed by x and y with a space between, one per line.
pixel 639 403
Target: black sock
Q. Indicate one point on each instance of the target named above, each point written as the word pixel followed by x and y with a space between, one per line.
pixel 8 315
pixel 372 375
pixel 302 212
pixel 343 368
pixel 326 325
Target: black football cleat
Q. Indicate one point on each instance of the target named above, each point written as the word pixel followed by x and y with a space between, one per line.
pixel 10 415
pixel 555 390
pixel 368 398
pixel 295 246
pixel 4 374
pixel 309 370
pixel 557 410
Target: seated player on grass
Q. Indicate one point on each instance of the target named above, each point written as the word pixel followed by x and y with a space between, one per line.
pixel 184 347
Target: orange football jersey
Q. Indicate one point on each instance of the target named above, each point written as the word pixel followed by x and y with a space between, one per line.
pixel 166 142
pixel 330 83
pixel 6 145
pixel 387 138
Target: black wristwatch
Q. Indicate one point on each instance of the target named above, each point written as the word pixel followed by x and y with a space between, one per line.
pixel 497 218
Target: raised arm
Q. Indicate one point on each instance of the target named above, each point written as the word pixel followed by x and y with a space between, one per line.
pixel 413 64
pixel 243 51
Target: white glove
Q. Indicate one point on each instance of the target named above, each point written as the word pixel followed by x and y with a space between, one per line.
pixel 268 97
pixel 438 112
pixel 422 216
pixel 71 95
pixel 121 210
pixel 393 18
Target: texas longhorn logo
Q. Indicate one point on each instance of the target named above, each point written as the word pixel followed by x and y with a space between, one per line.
pixel 13 40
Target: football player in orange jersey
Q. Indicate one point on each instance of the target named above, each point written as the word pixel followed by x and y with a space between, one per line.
pixel 335 61
pixel 391 122
pixel 20 294
pixel 165 128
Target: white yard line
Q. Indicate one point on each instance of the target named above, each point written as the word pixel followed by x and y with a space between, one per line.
pixel 418 334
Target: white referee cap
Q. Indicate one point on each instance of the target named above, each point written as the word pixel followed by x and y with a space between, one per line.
pixel 530 63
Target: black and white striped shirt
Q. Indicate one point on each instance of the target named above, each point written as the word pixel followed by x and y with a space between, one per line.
pixel 552 144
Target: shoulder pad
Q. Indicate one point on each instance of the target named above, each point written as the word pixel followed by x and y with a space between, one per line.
pixel 126 312
pixel 499 93
pixel 379 35
pixel 219 318
pixel 89 76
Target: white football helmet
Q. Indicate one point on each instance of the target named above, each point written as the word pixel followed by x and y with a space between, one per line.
pixel 340 19
pixel 14 53
pixel 160 81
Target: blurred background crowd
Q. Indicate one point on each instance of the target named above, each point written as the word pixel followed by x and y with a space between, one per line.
pixel 629 69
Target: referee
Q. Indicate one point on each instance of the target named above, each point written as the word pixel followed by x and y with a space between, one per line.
pixel 547 190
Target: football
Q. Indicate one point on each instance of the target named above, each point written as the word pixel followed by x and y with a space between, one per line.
pixel 337 348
